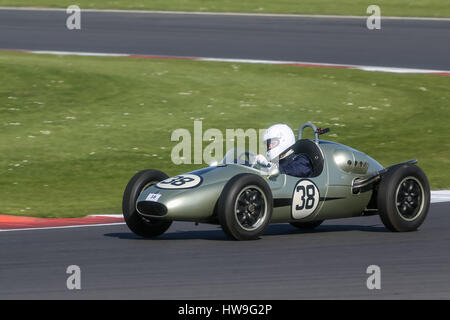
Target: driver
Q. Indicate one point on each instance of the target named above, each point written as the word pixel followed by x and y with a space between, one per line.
pixel 279 139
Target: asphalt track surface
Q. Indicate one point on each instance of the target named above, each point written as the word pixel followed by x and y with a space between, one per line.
pixel 399 43
pixel 199 262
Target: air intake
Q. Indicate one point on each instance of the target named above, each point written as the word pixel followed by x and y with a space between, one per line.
pixel 151 208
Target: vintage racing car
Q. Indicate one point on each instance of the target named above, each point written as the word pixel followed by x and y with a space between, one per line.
pixel 244 198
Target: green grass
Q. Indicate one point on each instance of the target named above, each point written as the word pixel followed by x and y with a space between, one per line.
pixel 73 130
pixel 425 8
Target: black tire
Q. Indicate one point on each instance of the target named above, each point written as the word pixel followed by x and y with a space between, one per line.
pixel 245 207
pixel 403 198
pixel 144 227
pixel 307 225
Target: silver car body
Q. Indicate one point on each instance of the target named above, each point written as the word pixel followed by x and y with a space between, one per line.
pixel 342 188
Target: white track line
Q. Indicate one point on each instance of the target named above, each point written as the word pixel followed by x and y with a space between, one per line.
pixel 65 227
pixel 440 196
pixel 75 53
pixel 107 215
pixel 320 64
pixel 256 61
pixel 248 14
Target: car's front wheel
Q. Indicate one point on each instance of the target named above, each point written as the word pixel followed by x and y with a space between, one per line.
pixel 403 198
pixel 245 207
pixel 144 227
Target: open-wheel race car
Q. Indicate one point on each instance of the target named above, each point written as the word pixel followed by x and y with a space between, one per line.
pixel 244 198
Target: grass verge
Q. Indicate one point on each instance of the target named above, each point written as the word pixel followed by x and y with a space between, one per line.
pixel 424 8
pixel 73 130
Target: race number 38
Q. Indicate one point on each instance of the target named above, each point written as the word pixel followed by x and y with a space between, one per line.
pixel 305 199
pixel 181 181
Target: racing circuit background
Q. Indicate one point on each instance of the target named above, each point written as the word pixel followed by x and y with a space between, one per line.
pixel 83 109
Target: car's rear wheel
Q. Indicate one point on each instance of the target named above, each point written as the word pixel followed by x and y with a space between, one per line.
pixel 307 225
pixel 142 226
pixel 403 198
pixel 245 207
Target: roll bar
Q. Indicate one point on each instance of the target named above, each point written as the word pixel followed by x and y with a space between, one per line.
pixel 317 131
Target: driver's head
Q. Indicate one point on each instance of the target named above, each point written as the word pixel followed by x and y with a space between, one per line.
pixel 278 138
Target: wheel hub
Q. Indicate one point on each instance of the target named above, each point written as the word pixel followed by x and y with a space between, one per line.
pixel 409 198
pixel 250 208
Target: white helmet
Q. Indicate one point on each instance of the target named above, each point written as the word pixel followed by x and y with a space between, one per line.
pixel 278 139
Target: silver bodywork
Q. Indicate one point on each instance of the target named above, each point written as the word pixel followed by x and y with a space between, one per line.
pixel 331 194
